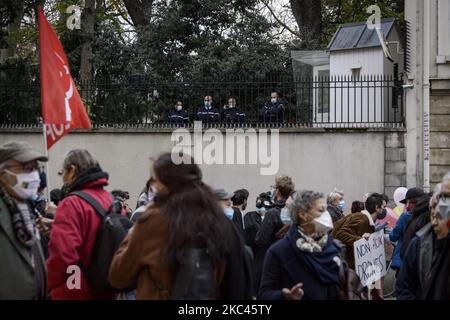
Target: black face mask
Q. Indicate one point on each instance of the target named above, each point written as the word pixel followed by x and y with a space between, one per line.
pixel 244 206
pixel 382 215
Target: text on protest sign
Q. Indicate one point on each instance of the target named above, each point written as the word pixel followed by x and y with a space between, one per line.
pixel 370 258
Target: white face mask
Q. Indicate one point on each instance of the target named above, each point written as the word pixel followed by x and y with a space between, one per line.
pixel 324 223
pixel 273 100
pixel 179 107
pixel 27 184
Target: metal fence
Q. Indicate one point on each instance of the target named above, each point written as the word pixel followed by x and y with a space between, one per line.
pixel 341 101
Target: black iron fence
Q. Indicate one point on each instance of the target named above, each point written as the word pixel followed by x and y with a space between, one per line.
pixel 341 101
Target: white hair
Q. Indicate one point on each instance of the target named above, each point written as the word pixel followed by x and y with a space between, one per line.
pixel 333 195
pixel 303 201
pixel 446 178
pixel 436 192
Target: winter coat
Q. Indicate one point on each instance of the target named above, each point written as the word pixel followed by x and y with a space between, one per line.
pixel 178 117
pixel 396 235
pixel 335 213
pixel 416 265
pixel 237 220
pixel 73 235
pixel 208 115
pixel 266 235
pixel 438 284
pixel 233 115
pixel 420 217
pixel 285 265
pixel 139 259
pixel 272 112
pixel 18 276
pixel 350 229
pixel 252 223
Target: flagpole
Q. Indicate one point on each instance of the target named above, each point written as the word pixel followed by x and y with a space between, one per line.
pixel 47 173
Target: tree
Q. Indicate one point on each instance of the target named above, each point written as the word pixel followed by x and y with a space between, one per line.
pixel 140 12
pixel 87 25
pixel 308 14
pixel 337 12
pixel 11 15
pixel 139 56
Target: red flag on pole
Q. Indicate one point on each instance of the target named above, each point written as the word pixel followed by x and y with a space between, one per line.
pixel 62 107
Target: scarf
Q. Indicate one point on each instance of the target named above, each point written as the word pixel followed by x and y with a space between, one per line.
pixel 313 243
pixel 321 263
pixel 22 220
pixel 24 227
pixel 89 175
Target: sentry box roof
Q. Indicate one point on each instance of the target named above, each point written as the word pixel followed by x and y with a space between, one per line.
pixel 357 35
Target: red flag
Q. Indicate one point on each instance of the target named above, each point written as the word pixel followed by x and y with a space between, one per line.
pixel 62 107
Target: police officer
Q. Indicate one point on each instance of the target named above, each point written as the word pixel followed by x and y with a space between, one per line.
pixel 231 114
pixel 273 111
pixel 178 115
pixel 208 112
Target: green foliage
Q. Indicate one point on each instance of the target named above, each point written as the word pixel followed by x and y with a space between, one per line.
pixel 187 48
pixel 336 12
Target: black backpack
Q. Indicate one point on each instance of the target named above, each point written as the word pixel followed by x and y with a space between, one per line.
pixel 195 278
pixel 113 229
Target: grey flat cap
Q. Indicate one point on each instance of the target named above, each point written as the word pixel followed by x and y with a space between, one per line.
pixel 222 194
pixel 20 151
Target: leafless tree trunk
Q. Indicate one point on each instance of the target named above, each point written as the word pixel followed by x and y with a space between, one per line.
pixel 17 15
pixel 87 28
pixel 308 15
pixel 139 11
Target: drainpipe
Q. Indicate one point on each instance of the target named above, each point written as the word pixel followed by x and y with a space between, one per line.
pixel 426 96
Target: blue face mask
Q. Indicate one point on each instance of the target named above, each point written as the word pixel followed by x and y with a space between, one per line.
pixel 261 210
pixel 285 216
pixel 229 213
pixel 341 204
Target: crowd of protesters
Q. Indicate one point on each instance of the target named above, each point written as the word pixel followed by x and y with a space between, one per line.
pixel 185 240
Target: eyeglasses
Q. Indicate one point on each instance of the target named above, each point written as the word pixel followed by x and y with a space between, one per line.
pixel 435 215
pixel 443 195
pixel 27 167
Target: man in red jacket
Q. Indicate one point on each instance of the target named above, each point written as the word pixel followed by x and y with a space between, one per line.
pixel 75 228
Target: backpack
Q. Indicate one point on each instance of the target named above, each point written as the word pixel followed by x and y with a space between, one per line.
pixel 195 279
pixel 113 229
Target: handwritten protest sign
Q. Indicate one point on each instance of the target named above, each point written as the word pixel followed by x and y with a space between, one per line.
pixel 370 258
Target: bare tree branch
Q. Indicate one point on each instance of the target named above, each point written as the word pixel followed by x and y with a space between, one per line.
pixel 139 11
pixel 266 4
